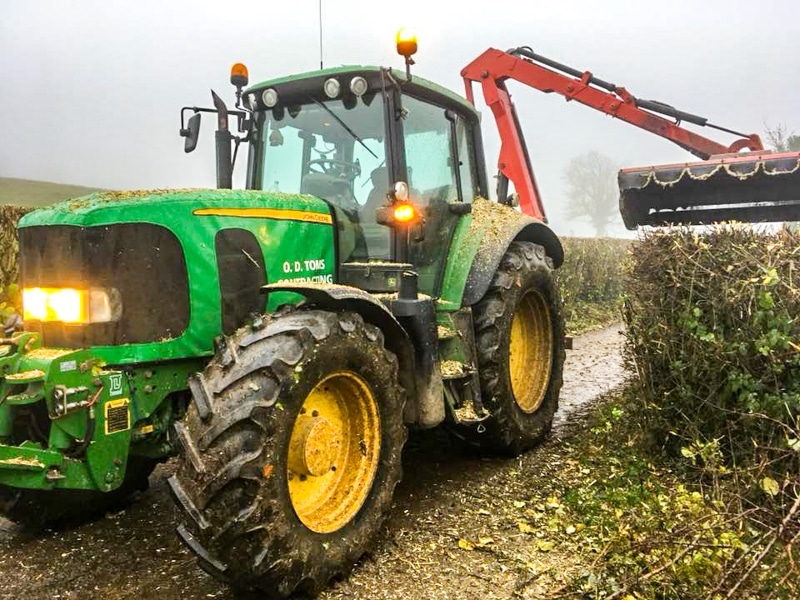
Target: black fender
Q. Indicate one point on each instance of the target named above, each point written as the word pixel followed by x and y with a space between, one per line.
pixel 494 245
pixel 396 338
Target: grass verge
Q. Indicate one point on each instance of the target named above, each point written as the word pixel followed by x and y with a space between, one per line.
pixel 591 282
pixel 618 519
pixel 582 315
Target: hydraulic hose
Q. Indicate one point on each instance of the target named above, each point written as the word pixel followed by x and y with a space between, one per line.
pixel 80 449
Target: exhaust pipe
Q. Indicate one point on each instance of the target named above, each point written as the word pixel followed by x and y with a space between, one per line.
pixel 223 139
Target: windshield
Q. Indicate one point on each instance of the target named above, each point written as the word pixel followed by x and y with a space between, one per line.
pixel 333 150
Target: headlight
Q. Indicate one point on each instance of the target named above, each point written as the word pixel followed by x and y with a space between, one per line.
pixel 358 85
pixel 332 87
pixel 70 305
pixel 270 97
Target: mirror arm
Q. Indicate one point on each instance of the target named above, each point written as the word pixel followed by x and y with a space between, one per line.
pixel 223 136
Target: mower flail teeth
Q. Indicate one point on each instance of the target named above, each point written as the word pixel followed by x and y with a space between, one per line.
pixel 752 187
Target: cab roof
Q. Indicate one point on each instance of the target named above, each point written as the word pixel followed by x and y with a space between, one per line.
pixel 414 85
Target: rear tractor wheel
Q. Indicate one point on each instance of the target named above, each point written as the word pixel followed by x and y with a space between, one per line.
pixel 292 452
pixel 519 334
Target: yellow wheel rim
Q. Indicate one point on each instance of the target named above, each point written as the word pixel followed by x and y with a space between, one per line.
pixel 530 351
pixel 334 452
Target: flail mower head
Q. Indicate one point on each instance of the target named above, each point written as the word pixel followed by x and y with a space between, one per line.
pixel 752 187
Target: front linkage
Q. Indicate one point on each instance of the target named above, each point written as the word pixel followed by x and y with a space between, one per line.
pixel 65 422
pixel 68 423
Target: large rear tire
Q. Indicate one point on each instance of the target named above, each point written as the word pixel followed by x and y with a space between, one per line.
pixel 519 333
pixel 292 451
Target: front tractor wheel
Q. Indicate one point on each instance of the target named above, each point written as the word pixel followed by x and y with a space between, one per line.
pixel 292 450
pixel 333 452
pixel 519 334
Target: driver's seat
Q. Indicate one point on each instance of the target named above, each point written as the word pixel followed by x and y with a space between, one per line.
pixel 331 188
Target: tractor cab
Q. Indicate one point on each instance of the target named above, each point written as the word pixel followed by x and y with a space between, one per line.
pixel 365 139
pixel 396 157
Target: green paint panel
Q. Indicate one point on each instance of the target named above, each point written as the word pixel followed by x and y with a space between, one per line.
pixel 296 237
pixel 464 247
pixel 294 232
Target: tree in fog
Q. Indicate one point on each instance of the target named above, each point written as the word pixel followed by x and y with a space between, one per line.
pixel 592 190
pixel 781 140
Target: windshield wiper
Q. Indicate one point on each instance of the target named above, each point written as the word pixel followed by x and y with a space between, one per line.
pixel 344 126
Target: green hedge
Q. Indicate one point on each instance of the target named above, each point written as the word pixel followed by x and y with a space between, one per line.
pixel 592 268
pixel 714 338
pixel 9 243
pixel 591 280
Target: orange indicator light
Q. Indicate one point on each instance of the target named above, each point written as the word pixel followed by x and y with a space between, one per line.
pixel 406 41
pixel 404 213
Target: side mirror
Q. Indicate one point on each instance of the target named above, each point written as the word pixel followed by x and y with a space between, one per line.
pixel 191 133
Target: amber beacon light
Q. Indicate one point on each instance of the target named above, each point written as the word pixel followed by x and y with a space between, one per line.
pixel 239 76
pixel 406 41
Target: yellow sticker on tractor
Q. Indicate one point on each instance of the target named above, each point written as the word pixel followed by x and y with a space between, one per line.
pixel 118 417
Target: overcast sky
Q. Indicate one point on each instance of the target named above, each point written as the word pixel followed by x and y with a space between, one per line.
pixel 91 89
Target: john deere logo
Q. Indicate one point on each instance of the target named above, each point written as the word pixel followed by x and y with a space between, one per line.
pixel 115 383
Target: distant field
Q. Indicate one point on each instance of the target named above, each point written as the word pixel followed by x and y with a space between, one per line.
pixel 26 192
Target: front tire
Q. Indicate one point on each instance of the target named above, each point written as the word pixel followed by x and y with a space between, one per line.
pixel 292 451
pixel 519 334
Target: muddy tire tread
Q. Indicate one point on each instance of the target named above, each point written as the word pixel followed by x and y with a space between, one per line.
pixel 252 541
pixel 509 431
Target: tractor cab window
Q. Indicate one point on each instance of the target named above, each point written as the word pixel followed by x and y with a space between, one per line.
pixel 438 154
pixel 334 150
pixel 439 163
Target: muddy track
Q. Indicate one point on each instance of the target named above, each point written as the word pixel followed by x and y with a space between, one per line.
pixel 445 496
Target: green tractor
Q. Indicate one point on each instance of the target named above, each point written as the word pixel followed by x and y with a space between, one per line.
pixel 283 338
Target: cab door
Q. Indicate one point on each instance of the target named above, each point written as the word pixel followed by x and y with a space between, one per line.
pixel 439 149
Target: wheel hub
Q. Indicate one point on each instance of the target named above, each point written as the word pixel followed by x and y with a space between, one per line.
pixel 530 351
pixel 314 446
pixel 333 452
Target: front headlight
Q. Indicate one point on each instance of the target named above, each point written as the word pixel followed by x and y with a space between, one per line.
pixel 70 305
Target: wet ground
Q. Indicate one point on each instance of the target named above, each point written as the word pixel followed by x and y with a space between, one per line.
pixel 445 501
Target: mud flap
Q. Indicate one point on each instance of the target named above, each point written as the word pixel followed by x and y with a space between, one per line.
pixel 752 187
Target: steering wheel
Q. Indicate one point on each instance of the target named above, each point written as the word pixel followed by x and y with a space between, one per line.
pixel 335 168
